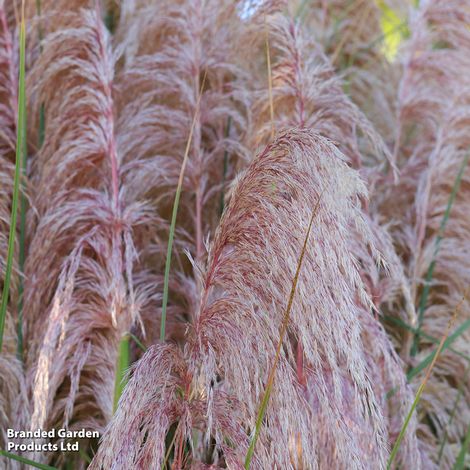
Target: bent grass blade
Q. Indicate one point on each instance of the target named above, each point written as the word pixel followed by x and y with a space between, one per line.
pixel 282 332
pixel 396 447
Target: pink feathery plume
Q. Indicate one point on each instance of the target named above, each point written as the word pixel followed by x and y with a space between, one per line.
pixel 172 53
pixel 352 36
pixel 230 347
pixel 306 92
pixel 304 95
pixel 79 295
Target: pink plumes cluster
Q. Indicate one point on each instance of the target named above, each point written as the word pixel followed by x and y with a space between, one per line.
pixel 279 112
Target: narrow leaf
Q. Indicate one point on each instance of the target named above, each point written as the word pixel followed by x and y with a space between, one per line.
pixel 423 364
pixel 32 463
pixel 460 463
pixel 121 368
pixel 399 322
pixel 166 281
pixel 452 415
pixel 20 147
pixel 396 447
pixel 282 332
pixel 437 245
pixel 138 342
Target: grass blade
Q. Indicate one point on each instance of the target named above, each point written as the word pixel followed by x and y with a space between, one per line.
pixel 282 332
pixel 22 249
pixel 435 355
pixel 24 203
pixel 85 457
pixel 452 415
pixel 399 322
pixel 166 281
pixel 423 364
pixel 20 147
pixel 121 368
pixel 460 463
pixel 437 245
pixel 138 342
pixel 32 463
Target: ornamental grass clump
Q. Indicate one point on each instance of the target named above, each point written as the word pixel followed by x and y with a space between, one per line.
pixel 235 234
pixel 230 346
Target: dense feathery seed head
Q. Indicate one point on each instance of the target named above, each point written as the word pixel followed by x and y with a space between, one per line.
pixel 230 347
pixel 341 124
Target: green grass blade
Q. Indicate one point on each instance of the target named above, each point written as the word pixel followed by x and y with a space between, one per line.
pixel 452 415
pixel 171 237
pixel 121 369
pixel 138 342
pixel 166 281
pixel 32 463
pixel 435 355
pixel 282 332
pixel 428 360
pixel 437 245
pixel 20 146
pixel 85 457
pixel 24 205
pixel 460 463
pixel 22 240
pixel 434 340
pixel 403 429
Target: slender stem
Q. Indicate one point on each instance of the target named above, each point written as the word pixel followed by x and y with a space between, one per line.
pixel 437 246
pixel 20 146
pixel 121 368
pixel 460 463
pixel 452 320
pixel 452 414
pixel 174 214
pixel 282 332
